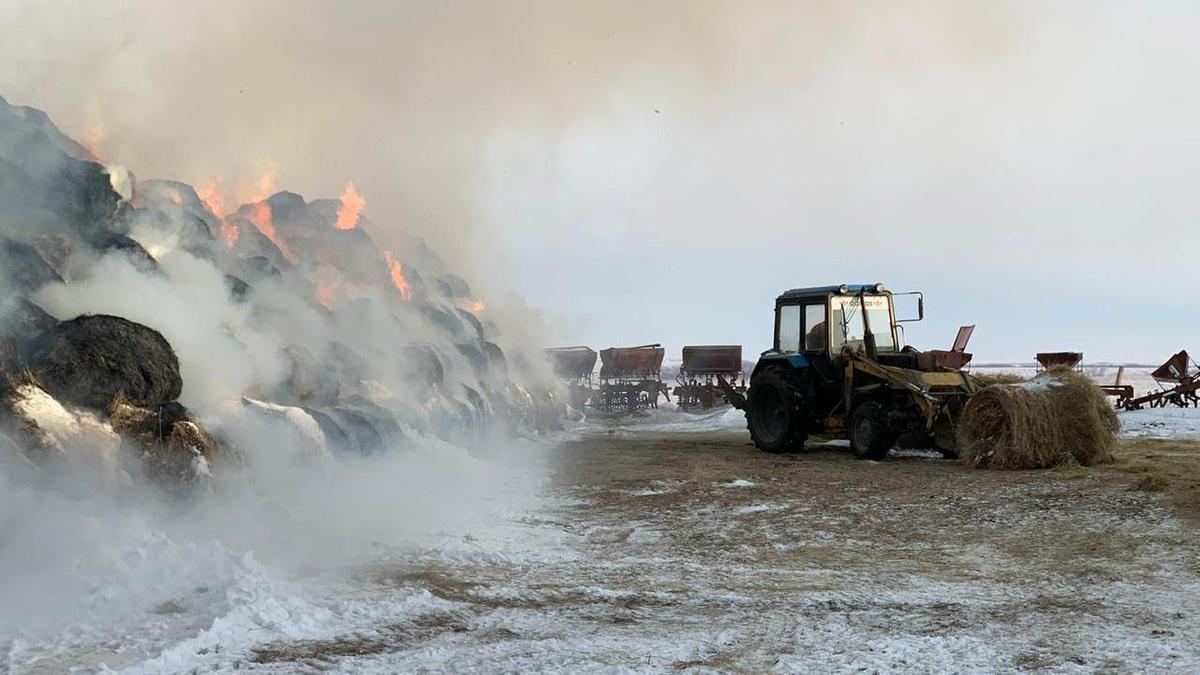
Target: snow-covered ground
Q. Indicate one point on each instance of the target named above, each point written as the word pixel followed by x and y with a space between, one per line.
pixel 1161 422
pixel 464 563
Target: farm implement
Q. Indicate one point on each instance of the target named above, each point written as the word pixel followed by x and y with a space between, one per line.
pixel 697 386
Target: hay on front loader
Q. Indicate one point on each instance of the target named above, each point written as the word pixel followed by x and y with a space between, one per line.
pixel 988 379
pixel 1057 416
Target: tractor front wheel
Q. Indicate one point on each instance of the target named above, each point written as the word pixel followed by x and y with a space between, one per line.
pixel 871 436
pixel 775 411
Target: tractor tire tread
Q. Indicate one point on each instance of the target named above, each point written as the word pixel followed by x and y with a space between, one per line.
pixel 789 387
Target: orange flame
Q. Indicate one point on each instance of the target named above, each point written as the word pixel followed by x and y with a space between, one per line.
pixel 174 196
pixel 326 296
pixel 214 200
pixel 397 272
pixel 260 215
pixel 474 306
pixel 352 205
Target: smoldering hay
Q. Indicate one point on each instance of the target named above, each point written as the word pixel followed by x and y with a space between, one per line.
pixel 153 310
pixel 1057 417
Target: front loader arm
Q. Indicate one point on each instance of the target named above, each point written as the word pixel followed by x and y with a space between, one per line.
pixel 735 397
pixel 860 362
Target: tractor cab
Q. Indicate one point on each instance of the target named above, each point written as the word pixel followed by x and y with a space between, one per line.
pixel 825 320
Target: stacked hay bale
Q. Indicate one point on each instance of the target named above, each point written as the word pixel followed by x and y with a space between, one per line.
pixel 1057 417
pixel 93 359
pixel 128 373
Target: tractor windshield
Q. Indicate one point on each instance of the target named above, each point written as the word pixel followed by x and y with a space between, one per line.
pixel 848 327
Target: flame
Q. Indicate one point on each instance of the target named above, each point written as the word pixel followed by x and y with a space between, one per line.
pixel 326 296
pixel 213 198
pixel 352 205
pixel 397 272
pixel 474 306
pixel 174 196
pixel 260 211
pixel 260 215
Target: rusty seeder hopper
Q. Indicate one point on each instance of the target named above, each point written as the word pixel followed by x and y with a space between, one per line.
pixel 697 378
pixel 1048 360
pixel 1180 381
pixel 574 367
pixel 630 378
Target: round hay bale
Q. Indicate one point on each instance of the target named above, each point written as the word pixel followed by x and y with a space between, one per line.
pixel 95 358
pixel 373 427
pixel 1056 417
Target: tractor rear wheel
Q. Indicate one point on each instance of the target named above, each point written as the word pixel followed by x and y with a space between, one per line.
pixel 776 412
pixel 871 436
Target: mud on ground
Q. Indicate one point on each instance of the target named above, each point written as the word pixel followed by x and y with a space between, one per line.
pixel 695 552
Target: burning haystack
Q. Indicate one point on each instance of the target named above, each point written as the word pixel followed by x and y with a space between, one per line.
pixel 1057 417
pixel 158 295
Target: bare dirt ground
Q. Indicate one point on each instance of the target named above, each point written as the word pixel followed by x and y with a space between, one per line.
pixel 695 552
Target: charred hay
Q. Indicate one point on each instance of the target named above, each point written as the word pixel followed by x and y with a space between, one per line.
pixel 138 255
pixel 22 325
pixel 174 448
pixel 49 183
pixel 24 268
pixel 421 363
pixel 372 428
pixel 1057 417
pixel 93 359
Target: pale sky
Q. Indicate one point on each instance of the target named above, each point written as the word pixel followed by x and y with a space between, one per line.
pixel 659 172
pixel 1044 191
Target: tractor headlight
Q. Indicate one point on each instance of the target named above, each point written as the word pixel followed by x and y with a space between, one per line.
pixel 879 288
pixel 843 289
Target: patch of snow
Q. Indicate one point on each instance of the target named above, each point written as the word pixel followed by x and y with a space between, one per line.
pixel 915 453
pixel 737 483
pixel 758 508
pixel 77 433
pixel 1161 423
pixel 308 431
pixel 668 417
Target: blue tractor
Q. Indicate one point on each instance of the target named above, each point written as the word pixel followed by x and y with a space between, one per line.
pixel 838 368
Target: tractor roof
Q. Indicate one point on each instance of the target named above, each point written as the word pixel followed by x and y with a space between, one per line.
pixel 824 290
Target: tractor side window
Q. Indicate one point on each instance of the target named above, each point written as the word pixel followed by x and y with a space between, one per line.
pixel 815 328
pixel 789 328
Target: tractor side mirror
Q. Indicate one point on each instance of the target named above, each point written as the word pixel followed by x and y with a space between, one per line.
pixel 920 306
